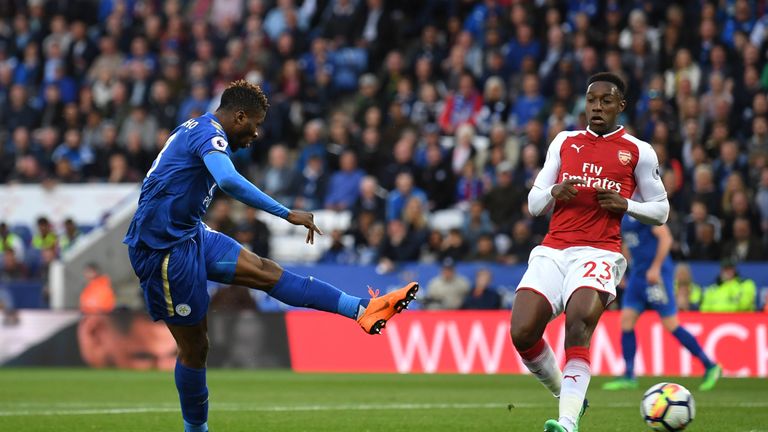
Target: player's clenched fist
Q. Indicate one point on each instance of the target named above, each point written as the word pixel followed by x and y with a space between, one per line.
pixel 298 217
pixel 611 200
pixel 566 190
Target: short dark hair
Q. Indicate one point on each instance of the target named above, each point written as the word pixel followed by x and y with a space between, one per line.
pixel 611 78
pixel 242 95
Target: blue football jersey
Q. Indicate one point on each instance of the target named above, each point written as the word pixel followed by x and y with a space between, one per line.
pixel 178 187
pixel 642 244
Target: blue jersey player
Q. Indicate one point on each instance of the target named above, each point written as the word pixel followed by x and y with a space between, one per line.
pixel 650 285
pixel 173 253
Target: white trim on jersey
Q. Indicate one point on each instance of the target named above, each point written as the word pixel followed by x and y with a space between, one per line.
pixel 653 207
pixel 620 129
pixel 540 197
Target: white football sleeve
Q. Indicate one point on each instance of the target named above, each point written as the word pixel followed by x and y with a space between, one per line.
pixel 649 203
pixel 540 197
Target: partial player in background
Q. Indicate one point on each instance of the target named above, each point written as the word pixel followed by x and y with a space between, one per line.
pixel 651 286
pixel 174 253
pixel 590 179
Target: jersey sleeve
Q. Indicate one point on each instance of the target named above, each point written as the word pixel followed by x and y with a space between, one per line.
pixel 548 175
pixel 648 177
pixel 649 203
pixel 208 139
pixel 540 197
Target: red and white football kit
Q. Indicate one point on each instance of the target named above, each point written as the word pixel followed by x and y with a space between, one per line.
pixel 583 246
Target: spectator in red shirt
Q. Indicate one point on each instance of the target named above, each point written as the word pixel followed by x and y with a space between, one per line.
pixel 462 106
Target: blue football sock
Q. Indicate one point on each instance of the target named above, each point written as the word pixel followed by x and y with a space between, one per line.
pixel 188 427
pixel 687 340
pixel 628 349
pixel 193 394
pixel 295 290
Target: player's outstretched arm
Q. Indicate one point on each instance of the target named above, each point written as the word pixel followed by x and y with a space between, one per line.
pixel 306 219
pixel 237 186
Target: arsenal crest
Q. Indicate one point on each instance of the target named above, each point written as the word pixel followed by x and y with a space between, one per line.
pixel 624 157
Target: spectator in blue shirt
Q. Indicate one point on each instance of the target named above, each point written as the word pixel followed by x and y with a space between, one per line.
pixel 529 105
pixel 475 21
pixel 742 20
pixel 314 144
pixel 344 186
pixel 312 185
pixel 730 161
pixel 30 70
pixel 524 45
pixel 483 294
pixel 197 102
pixel 66 85
pixel 72 150
pixel 404 189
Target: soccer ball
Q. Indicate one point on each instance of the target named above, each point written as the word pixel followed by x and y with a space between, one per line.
pixel 667 407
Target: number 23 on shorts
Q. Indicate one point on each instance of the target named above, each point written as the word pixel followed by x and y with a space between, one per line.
pixel 592 268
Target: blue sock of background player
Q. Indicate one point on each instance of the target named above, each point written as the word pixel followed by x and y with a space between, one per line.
pixel 628 349
pixel 686 339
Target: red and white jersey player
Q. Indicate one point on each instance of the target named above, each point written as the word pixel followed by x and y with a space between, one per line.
pixel 615 161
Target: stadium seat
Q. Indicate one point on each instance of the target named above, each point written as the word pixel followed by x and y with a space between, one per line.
pixel 293 248
pixel 276 225
pixel 329 220
pixel 447 219
pixel 24 232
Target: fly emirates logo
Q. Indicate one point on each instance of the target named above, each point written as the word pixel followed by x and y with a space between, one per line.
pixel 591 176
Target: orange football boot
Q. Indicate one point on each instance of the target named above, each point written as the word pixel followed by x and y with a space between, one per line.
pixel 380 309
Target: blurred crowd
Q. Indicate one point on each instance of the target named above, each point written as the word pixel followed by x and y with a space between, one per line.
pixel 394 110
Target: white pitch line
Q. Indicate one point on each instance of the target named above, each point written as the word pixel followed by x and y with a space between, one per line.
pixel 342 407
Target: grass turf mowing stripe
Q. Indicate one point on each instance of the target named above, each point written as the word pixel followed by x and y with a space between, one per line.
pixel 341 407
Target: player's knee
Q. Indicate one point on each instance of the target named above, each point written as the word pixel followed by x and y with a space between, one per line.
pixel 524 336
pixel 578 332
pixel 268 274
pixel 272 272
pixel 670 323
pixel 627 322
pixel 261 273
pixel 194 354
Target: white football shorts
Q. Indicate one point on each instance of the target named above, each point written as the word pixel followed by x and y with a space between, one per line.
pixel 557 273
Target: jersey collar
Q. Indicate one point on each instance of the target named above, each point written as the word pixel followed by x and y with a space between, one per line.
pixel 615 134
pixel 214 121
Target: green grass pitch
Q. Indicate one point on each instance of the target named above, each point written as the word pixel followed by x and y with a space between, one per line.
pixel 105 400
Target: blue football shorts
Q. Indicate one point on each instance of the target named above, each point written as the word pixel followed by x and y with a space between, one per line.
pixel 640 296
pixel 174 280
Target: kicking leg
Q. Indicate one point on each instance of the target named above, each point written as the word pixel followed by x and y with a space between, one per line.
pixel 531 313
pixel 306 291
pixel 264 274
pixel 582 314
pixel 190 374
pixel 686 339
